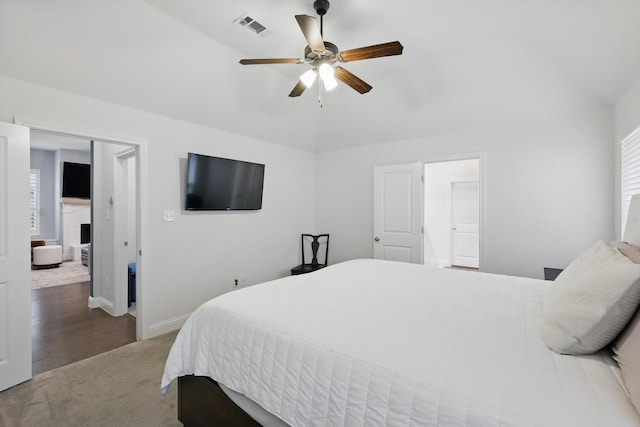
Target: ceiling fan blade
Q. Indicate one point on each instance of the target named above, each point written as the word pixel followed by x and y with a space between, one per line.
pixel 298 89
pixel 271 61
pixel 368 52
pixel 352 80
pixel 311 30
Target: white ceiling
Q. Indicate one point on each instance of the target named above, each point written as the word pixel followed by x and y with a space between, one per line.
pixel 466 63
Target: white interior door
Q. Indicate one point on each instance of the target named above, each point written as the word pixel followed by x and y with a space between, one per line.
pixel 465 242
pixel 397 212
pixel 15 275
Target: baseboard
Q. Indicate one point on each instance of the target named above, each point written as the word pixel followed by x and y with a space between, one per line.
pixel 438 262
pixel 102 303
pixel 156 329
pixel 167 326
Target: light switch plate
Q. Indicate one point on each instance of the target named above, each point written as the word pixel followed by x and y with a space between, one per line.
pixel 169 216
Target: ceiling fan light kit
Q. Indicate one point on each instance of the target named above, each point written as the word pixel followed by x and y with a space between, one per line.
pixel 308 78
pixel 322 56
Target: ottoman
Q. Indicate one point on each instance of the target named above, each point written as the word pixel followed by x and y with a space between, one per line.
pixel 47 256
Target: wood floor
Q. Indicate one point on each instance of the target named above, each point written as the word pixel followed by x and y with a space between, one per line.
pixel 65 329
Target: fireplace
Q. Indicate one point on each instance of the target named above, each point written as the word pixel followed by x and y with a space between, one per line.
pixel 85 233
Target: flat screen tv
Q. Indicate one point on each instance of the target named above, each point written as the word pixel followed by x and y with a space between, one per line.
pixel 215 183
pixel 76 180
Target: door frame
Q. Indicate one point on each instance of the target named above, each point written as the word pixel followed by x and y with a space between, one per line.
pixel 141 199
pixel 481 191
pixel 120 215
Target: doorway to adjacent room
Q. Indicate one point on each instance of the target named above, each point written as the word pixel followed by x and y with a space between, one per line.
pixel 452 213
pixel 102 331
pixel 429 212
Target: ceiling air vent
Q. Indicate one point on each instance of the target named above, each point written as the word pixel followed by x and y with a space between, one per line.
pixel 252 25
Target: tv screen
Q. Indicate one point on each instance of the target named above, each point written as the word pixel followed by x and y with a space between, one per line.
pixel 76 180
pixel 215 183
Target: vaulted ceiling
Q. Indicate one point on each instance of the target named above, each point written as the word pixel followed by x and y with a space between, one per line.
pixel 466 63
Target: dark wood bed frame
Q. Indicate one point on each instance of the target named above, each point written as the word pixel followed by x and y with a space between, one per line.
pixel 201 402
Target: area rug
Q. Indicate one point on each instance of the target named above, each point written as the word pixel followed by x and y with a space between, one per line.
pixel 68 272
pixel 118 388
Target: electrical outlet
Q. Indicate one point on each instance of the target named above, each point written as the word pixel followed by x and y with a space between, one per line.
pixel 235 283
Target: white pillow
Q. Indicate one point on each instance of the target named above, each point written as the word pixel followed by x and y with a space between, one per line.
pixel 591 301
pixel 626 351
pixel 630 251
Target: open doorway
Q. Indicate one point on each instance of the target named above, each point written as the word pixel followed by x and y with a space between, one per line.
pixel 452 214
pixel 103 331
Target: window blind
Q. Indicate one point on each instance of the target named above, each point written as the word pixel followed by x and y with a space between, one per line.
pixel 630 172
pixel 34 201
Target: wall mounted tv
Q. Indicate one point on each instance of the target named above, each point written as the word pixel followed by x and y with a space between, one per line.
pixel 76 180
pixel 215 183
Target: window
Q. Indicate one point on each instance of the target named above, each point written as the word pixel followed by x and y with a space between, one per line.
pixel 34 201
pixel 630 171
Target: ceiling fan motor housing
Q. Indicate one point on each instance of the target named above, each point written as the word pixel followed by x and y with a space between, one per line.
pixel 321 6
pixel 330 55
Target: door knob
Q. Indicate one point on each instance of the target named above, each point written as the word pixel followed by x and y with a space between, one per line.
pixel 377 239
pixel 453 228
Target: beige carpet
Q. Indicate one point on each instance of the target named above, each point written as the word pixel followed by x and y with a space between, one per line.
pixel 68 272
pixel 117 388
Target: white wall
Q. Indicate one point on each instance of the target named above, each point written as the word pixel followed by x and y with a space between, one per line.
pixel 548 190
pixel 186 262
pixel 627 112
pixel 132 231
pixel 103 231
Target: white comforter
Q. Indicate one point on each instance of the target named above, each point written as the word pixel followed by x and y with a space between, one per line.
pixel 374 343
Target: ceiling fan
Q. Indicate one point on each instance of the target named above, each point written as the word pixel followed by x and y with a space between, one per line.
pixel 322 56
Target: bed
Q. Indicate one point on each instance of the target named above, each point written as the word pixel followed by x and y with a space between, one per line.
pixel 381 343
